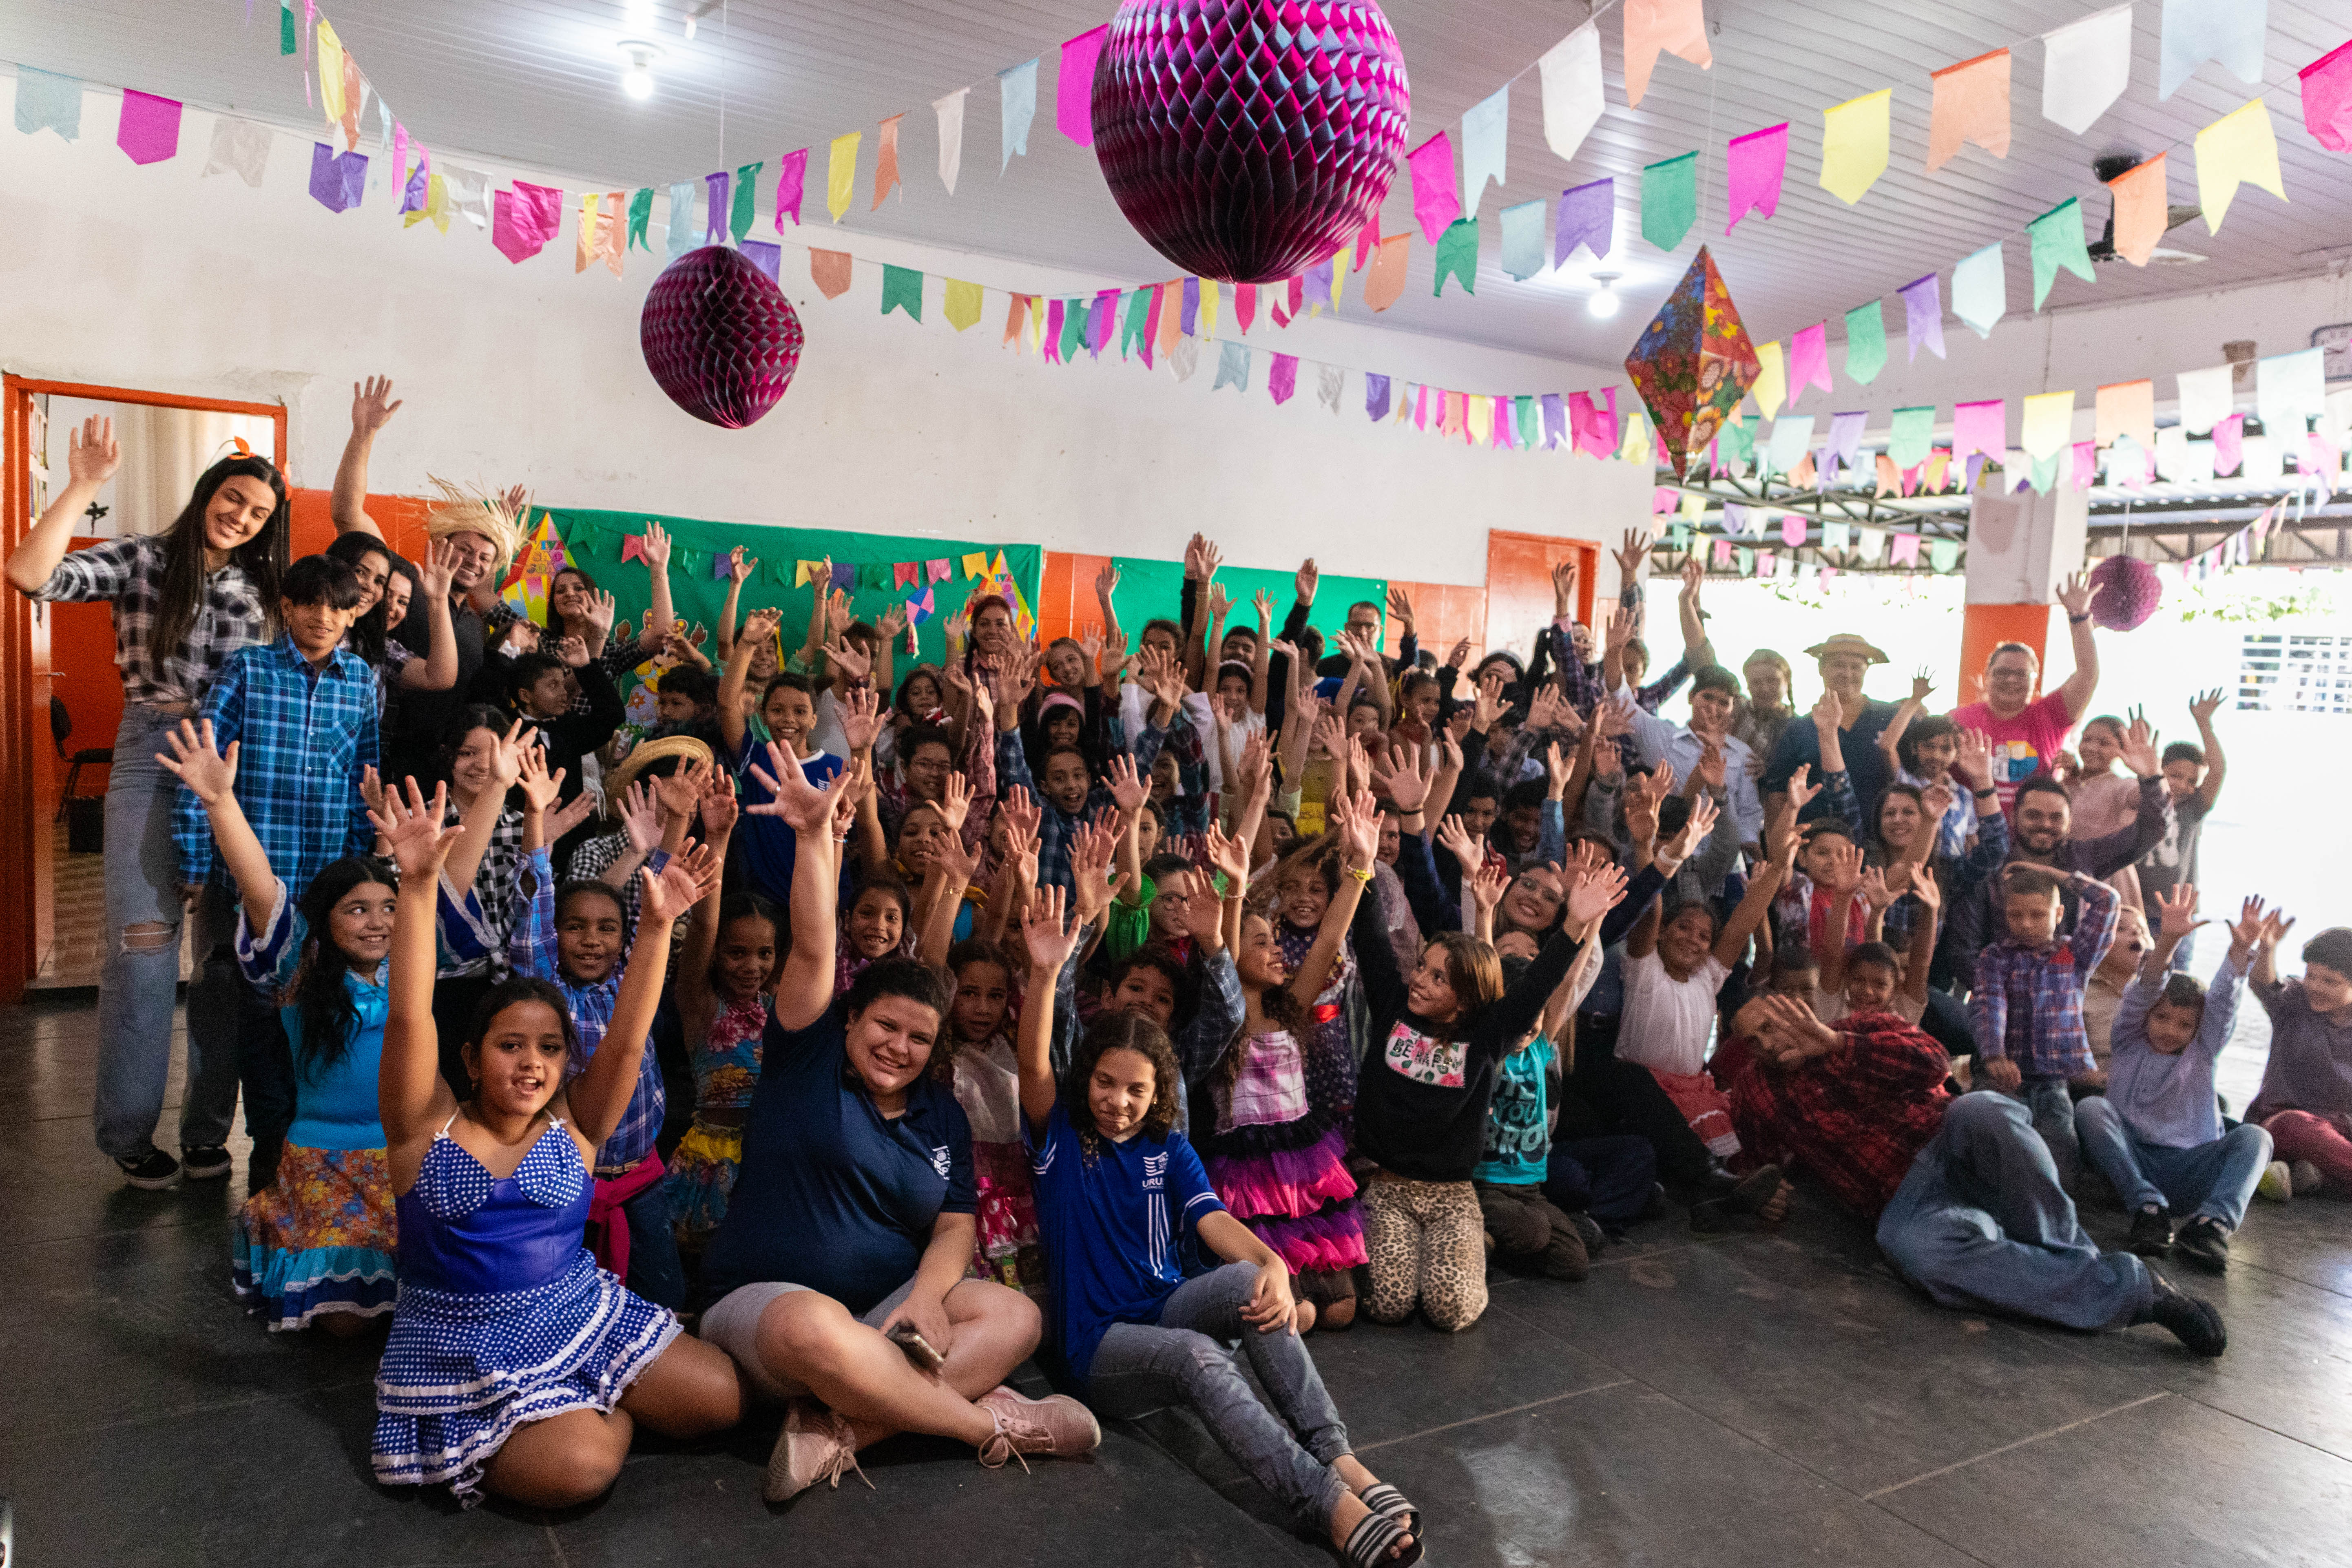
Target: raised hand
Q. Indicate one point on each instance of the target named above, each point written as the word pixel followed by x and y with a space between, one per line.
pixel 572 651
pixel 1595 892
pixel 2275 925
pixel 1211 559
pixel 93 454
pixel 838 616
pixel 1693 574
pixel 640 818
pixel 600 612
pixel 1106 581
pixel 1710 769
pixel 1877 888
pixel 1358 817
pixel 804 807
pixel 1801 790
pixel 1043 931
pixel 2075 594
pixel 1703 815
pixel 539 789
pixel 678 792
pixel 1487 704
pixel 2246 930
pixel 852 661
pixel 1563 588
pixel 569 815
pixel 1936 803
pixel 1972 759
pixel 1615 717
pixel 505 763
pixel 719 804
pixel 208 774
pixel 1460 656
pixel 955 803
pixel 1265 607
pixel 1630 555
pixel 1302 581
pixel 2176 910
pixel 373 404
pixel 1453 837
pixel 741 563
pixel 440 569
pixel 1923 681
pixel 1926 888
pixel 893 622
pixel 657 546
pixel 1330 736
pixel 1021 812
pixel 666 896
pixel 1227 856
pixel 1360 763
pixel 1092 848
pixel 371 790
pixel 1487 885
pixel 1622 626
pixel 1403 777
pixel 761 625
pixel 2138 749
pixel 2203 707
pixel 1828 715
pixel 1843 873
pixel 412 830
pixel 861 719
pixel 1400 607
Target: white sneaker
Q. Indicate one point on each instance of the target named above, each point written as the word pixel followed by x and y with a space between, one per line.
pixel 2278 1182
pixel 816 1444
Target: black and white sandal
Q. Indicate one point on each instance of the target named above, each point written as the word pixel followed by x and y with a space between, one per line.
pixel 1384 1499
pixel 1371 1543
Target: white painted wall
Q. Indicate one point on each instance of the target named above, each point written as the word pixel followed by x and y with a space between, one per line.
pixel 153 278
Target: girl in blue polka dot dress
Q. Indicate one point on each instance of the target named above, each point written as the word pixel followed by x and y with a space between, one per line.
pixel 515 1365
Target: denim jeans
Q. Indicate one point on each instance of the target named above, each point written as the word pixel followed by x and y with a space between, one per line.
pixel 1980 1221
pixel 138 987
pixel 655 1270
pixel 1183 1360
pixel 2051 1107
pixel 1609 1178
pixel 2216 1180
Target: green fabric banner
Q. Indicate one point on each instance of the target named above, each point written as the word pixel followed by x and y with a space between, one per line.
pixel 1155 589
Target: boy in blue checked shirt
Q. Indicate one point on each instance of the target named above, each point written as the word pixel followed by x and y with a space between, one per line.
pixel 302 713
pixel 2027 1012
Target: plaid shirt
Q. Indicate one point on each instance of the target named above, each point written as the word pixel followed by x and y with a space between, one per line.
pixel 1055 826
pixel 308 732
pixel 532 950
pixel 129 571
pixel 1855 1118
pixel 477 943
pixel 2028 1005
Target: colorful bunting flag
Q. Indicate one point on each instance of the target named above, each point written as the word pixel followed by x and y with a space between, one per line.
pixel 2085 66
pixel 1016 94
pixel 1435 202
pixel 2240 148
pixel 829 270
pixel 1754 165
pixel 2048 423
pixel 1074 87
pixel 1856 138
pixel 1523 239
pixel 1980 289
pixel 1865 342
pixel 1809 361
pixel 1772 385
pixel 2057 240
pixel 1571 72
pixel 1981 427
pixel 47 102
pixel 1486 145
pixel 950 113
pixel 840 173
pixel 1677 28
pixel 715 208
pixel 886 162
pixel 1909 434
pixel 1669 200
pixel 962 306
pixel 2326 98
pixel 1972 104
pixel 2125 408
pixel 1588 215
pixel 2228 32
pixel 1232 366
pixel 239 147
pixel 149 129
pixel 2206 396
pixel 338 181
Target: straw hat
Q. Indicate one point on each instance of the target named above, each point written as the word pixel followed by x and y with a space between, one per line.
pixel 1846 642
pixel 644 755
pixel 468 511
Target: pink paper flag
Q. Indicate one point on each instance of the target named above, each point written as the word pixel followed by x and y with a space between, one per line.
pixel 1981 427
pixel 1664 499
pixel 1436 201
pixel 1503 421
pixel 149 130
pixel 1368 241
pixel 1906 549
pixel 1283 379
pixel 1792 529
pixel 1723 552
pixel 2086 464
pixel 1245 304
pixel 524 219
pixel 1074 90
pixel 633 546
pixel 1420 409
pixel 2327 99
pixel 938 570
pixel 1756 164
pixel 1809 361
pixel 2229 444
pixel 791 175
pixel 1764 567
pixel 1054 333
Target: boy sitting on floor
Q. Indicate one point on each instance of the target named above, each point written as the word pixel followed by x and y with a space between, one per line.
pixel 2027 1012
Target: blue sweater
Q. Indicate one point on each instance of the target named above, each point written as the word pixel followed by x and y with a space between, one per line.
pixel 2169 1099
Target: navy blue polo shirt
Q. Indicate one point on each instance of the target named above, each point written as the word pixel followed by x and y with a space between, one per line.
pixel 832 1193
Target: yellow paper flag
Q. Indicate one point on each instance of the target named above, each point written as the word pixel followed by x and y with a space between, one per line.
pixel 1854 139
pixel 1694 506
pixel 1037 323
pixel 963 303
pixel 587 249
pixel 1636 448
pixel 841 174
pixel 2239 147
pixel 1772 387
pixel 436 207
pixel 330 71
pixel 976 564
pixel 1339 265
pixel 801 573
pixel 1208 321
pixel 2049 424
pixel 2127 408
pixel 1482 421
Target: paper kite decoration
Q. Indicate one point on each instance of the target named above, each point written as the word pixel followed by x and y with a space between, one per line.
pixel 720 336
pixel 2124 591
pixel 1248 140
pixel 1693 363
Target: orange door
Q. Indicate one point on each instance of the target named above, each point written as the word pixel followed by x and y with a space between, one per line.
pixel 1519 584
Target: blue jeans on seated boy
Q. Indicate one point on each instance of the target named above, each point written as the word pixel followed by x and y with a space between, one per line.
pixel 2046 1099
pixel 1608 1177
pixel 1183 1360
pixel 2216 1180
pixel 1980 1221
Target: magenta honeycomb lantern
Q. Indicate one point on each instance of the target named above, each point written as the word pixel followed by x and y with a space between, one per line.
pixel 720 336
pixel 2124 591
pixel 1248 140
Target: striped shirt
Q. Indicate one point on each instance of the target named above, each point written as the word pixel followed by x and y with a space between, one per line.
pixel 230 615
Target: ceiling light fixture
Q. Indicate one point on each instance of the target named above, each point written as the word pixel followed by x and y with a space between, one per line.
pixel 1603 303
pixel 637 82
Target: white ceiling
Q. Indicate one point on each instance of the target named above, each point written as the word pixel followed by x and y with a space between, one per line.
pixel 538 81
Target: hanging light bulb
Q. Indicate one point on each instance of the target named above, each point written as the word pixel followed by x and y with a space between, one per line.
pixel 1603 303
pixel 637 82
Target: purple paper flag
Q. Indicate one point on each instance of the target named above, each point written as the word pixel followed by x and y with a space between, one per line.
pixel 791 175
pixel 1554 421
pixel 1436 201
pixel 1376 397
pixel 1074 90
pixel 2086 464
pixel 1923 314
pixel 1809 361
pixel 149 130
pixel 1981 427
pixel 1191 321
pixel 1975 463
pixel 721 563
pixel 1845 437
pixel 412 195
pixel 1098 321
pixel 2229 444
pixel 1735 516
pixel 1283 379
pixel 338 180
pixel 1318 284
pixel 1755 162
pixel 844 577
pixel 714 221
pixel 769 258
pixel 1588 216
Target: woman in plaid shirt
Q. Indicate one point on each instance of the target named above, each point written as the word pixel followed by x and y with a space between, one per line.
pixel 184 600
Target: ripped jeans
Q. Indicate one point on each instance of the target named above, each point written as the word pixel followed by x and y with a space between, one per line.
pixel 137 985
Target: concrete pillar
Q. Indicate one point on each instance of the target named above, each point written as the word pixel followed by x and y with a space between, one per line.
pixel 2020 548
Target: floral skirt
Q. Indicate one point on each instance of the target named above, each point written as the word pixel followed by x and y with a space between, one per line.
pixel 1008 1207
pixel 701 1173
pixel 320 1240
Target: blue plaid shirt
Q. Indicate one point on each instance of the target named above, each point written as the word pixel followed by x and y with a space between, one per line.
pixel 306 733
pixel 530 951
pixel 1055 826
pixel 2028 1005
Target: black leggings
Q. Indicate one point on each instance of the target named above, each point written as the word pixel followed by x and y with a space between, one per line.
pixel 1604 1095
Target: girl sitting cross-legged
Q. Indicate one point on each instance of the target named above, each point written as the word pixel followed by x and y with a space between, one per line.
pixel 1119 1189
pixel 515 1363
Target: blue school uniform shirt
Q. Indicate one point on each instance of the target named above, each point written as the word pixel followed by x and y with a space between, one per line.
pixel 832 1193
pixel 1112 1222
pixel 1518 1135
pixel 335 1107
pixel 767 843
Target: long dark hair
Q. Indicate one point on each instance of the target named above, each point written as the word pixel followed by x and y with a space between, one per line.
pixel 472 717
pixel 318 994
pixel 1122 1032
pixel 506 994
pixel 368 632
pixel 556 629
pixel 263 556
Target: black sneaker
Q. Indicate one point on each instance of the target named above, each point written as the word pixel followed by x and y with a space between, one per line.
pixel 2151 1232
pixel 153 1173
pixel 205 1162
pixel 1754 1191
pixel 2203 1241
pixel 2194 1323
pixel 1590 1229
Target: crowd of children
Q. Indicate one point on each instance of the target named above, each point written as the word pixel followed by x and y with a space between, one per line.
pixel 854 1037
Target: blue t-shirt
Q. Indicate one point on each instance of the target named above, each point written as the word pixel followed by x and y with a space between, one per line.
pixel 1519 1139
pixel 832 1193
pixel 767 843
pixel 335 1107
pixel 1109 1222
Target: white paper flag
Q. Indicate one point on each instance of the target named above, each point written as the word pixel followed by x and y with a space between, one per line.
pixel 1485 142
pixel 2085 66
pixel 951 112
pixel 469 193
pixel 1867 542
pixel 2205 396
pixel 2289 389
pixel 1572 90
pixel 1329 380
pixel 240 147
pixel 2172 454
pixel 1186 357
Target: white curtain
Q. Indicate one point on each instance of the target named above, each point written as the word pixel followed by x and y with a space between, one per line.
pixel 164 451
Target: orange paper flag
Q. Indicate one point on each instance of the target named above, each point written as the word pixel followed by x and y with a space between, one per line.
pixel 886 161
pixel 586 252
pixel 1971 105
pixel 1676 28
pixel 2142 210
pixel 1016 317
pixel 352 92
pixel 1385 281
pixel 2127 408
pixel 829 270
pixel 1171 316
pixel 613 229
pixel 1890 477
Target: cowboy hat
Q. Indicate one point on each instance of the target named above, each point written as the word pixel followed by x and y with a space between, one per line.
pixel 1846 642
pixel 644 756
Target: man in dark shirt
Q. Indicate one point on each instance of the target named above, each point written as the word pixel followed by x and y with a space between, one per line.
pixel 1843 660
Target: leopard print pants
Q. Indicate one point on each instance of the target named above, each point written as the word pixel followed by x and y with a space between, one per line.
pixel 1427 1248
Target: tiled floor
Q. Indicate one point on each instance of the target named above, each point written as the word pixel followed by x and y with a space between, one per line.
pixel 1760 1399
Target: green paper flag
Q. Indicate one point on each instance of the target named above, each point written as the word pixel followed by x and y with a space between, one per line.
pixel 739 219
pixel 2045 470
pixel 2057 237
pixel 1734 443
pixel 1669 200
pixel 1457 254
pixel 641 212
pixel 1074 329
pixel 902 288
pixel 1865 342
pixel 1131 326
pixel 1943 554
pixel 1530 436
pixel 1909 435
pixel 287 37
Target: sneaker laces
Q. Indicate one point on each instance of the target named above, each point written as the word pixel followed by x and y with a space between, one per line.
pixel 1001 1445
pixel 844 1457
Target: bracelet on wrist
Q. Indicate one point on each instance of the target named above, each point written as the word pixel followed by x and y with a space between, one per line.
pixel 2078 620
pixel 1981 793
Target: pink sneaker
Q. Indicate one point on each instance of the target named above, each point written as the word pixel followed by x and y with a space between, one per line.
pixel 816 1444
pixel 1056 1425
